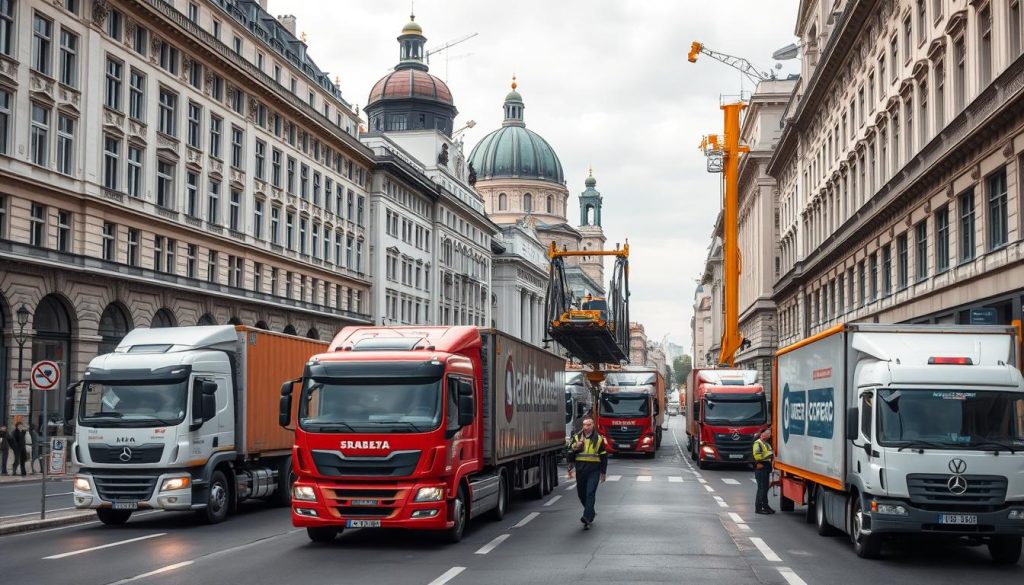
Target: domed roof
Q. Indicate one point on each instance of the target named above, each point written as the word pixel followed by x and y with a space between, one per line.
pixel 407 83
pixel 412 27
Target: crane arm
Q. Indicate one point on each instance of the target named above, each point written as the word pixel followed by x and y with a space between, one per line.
pixel 739 63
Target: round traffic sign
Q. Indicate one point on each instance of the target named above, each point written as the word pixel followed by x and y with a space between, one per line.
pixel 45 375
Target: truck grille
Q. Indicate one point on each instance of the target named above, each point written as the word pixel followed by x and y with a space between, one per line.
pixel 623 434
pixel 727 445
pixel 346 502
pixel 931 492
pixel 148 453
pixel 335 464
pixel 125 487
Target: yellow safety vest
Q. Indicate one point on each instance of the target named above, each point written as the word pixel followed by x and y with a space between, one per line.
pixel 592 449
pixel 762 451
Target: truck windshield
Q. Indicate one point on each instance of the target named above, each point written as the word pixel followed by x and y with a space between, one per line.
pixel 734 412
pixel 951 419
pixel 625 406
pixel 134 404
pixel 631 379
pixel 409 405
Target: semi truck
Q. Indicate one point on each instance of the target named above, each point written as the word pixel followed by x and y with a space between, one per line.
pixel 422 428
pixel 579 400
pixel 631 410
pixel 895 430
pixel 182 418
pixel 726 410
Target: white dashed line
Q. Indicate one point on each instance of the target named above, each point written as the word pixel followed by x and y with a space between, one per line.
pixel 614 477
pixel 709 488
pixel 702 480
pixel 730 481
pixel 552 500
pixel 570 486
pixel 159 571
pixel 494 544
pixel 526 520
pixel 768 553
pixel 721 502
pixel 791 577
pixel 448 576
pixel 753 480
pixel 102 546
pixel 643 478
pixel 736 518
pixel 675 479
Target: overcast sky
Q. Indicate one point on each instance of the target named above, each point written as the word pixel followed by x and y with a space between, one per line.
pixel 606 82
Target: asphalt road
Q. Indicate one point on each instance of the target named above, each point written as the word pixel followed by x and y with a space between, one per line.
pixel 658 521
pixel 21 500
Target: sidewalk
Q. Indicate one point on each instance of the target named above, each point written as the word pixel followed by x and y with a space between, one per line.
pixel 53 519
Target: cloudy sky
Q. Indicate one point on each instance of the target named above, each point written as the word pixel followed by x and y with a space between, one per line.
pixel 606 82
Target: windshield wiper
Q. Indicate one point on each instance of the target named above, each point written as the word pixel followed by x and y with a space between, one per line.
pixel 332 427
pixel 407 424
pixel 108 414
pixel 918 444
pixel 999 444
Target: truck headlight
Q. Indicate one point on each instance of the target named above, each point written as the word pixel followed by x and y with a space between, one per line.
pixel 175 483
pixel 891 509
pixel 709 450
pixel 82 485
pixel 1016 514
pixel 430 494
pixel 304 493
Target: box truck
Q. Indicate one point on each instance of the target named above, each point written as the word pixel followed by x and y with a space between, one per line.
pixel 579 400
pixel 725 412
pixel 889 430
pixel 422 428
pixel 631 410
pixel 183 418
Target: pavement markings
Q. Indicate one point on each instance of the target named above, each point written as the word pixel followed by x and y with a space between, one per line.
pixel 526 520
pixel 736 518
pixel 702 480
pixel 791 577
pixel 570 486
pixel 709 488
pixel 643 478
pixel 730 481
pixel 552 500
pixel 102 546
pixel 36 513
pixel 753 480
pixel 614 477
pixel 159 571
pixel 721 502
pixel 675 479
pixel 768 553
pixel 492 545
pixel 448 575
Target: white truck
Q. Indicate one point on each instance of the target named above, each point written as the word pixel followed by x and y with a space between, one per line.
pixel 185 418
pixel 886 430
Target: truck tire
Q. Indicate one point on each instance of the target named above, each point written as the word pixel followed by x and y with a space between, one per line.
pixel 553 472
pixel 218 499
pixel 113 517
pixel 650 455
pixel 657 439
pixel 282 496
pixel 867 546
pixel 1005 550
pixel 811 511
pixel 820 519
pixel 536 492
pixel 545 475
pixel 498 513
pixel 322 534
pixel 460 514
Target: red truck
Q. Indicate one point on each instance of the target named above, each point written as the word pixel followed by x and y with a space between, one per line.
pixel 725 412
pixel 631 410
pixel 422 428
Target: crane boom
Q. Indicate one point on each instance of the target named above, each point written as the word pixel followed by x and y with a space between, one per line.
pixel 739 63
pixel 449 45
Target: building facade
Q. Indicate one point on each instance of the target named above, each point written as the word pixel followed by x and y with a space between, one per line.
pixel 520 282
pixel 700 327
pixel 170 163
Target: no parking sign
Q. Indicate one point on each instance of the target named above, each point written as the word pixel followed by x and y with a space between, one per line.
pixel 45 375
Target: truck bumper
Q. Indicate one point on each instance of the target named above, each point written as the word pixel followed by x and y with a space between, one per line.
pixel 369 506
pixel 711 453
pixel 139 491
pixel 918 521
pixel 642 445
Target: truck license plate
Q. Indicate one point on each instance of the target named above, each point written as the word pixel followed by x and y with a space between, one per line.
pixel 735 455
pixel 362 524
pixel 365 502
pixel 126 505
pixel 624 446
pixel 965 519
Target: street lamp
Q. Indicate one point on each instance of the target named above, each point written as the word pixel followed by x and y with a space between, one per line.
pixel 23 314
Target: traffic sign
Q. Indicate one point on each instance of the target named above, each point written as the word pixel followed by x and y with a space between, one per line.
pixel 58 456
pixel 21 393
pixel 45 375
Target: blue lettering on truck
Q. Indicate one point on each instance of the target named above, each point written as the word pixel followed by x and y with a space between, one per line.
pixel 810 412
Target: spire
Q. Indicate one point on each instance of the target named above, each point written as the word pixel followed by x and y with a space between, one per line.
pixel 514 106
pixel 411 42
pixel 591 182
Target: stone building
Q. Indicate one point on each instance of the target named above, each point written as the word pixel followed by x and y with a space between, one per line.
pixel 171 163
pixel 700 326
pixel 520 278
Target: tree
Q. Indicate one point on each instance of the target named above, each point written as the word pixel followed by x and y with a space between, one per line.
pixel 681 367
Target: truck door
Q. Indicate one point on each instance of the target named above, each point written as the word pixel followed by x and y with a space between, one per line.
pixel 866 460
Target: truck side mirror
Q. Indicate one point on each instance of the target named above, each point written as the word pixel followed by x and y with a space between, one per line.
pixel 284 415
pixel 198 404
pixel 69 402
pixel 467 406
pixel 851 423
pixel 209 406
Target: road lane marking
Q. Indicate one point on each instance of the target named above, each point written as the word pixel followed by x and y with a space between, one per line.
pixel 730 481
pixel 753 480
pixel 743 527
pixel 102 546
pixel 35 513
pixel 614 477
pixel 492 545
pixel 526 520
pixel 768 553
pixel 159 571
pixel 552 500
pixel 675 479
pixel 701 480
pixel 76 525
pixel 643 478
pixel 791 577
pixel 710 489
pixel 570 486
pixel 721 502
pixel 448 576
pixel 736 518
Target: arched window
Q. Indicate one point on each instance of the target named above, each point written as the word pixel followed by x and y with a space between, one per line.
pixel 313 333
pixel 289 329
pixel 502 202
pixel 206 319
pixel 114 325
pixel 549 204
pixel 527 203
pixel 262 325
pixel 163 318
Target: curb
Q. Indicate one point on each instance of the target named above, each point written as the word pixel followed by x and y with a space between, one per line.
pixel 28 525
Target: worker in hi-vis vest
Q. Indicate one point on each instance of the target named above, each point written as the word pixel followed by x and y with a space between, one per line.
pixel 588 456
pixel 763 457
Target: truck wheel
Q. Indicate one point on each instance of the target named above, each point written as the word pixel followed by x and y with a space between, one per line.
pixel 322 534
pixel 459 514
pixel 820 520
pixel 1005 550
pixel 657 440
pixel 811 511
pixel 553 472
pixel 115 517
pixel 867 546
pixel 285 478
pixel 545 474
pixel 218 499
pixel 537 491
pixel 498 512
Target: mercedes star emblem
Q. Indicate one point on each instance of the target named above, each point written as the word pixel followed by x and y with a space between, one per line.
pixel 957 466
pixel 625 428
pixel 957 485
pixel 126 455
pixel 735 436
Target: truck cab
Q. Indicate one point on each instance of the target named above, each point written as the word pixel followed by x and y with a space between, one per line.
pixel 579 401
pixel 630 411
pixel 728 411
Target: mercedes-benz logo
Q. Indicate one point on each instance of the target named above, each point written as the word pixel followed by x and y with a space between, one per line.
pixel 625 428
pixel 957 485
pixel 126 455
pixel 735 436
pixel 957 466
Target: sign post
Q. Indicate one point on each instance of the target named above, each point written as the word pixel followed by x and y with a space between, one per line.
pixel 45 377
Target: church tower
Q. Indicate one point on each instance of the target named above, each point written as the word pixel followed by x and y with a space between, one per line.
pixel 590 228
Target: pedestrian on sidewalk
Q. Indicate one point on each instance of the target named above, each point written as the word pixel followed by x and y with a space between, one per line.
pixel 5 447
pixel 37 448
pixel 763 459
pixel 19 443
pixel 589 460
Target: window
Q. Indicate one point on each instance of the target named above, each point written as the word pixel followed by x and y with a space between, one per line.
pixel 967 235
pixel 860 106
pixel 273 280
pixel 165 172
pixel 349 242
pixel 328 192
pixel 234 209
pixel 502 202
pixel 5 118
pixel 216 29
pixel 304 182
pixel 195 75
pixel 193 12
pixel 985 46
pixel 111 162
pixel 135 154
pixel 942 240
pixel 259 60
pixel 68 58
pixel 922 21
pixel 40 142
pixel 275 167
pixel 237 44
pixel 195 124
pixel 132 250
pixel 158 253
pixel 6 26
pixel 137 95
pixel 169 259
pixel 168 112
pixel 850 292
pixel 865 415
pixel 192 193
pixel 873 269
pixel 37 226
pixel 528 203
pixel 211 266
pixel 109 241
pixel 217 87
pixel 215 130
pixel 115 24
pixel 871 92
pixel 213 203
pixel 257 219
pixel 261 159
pixel 940 95
pixel 903 261
pixel 275 224
pixel 303 222
pixel 65 144
pixel 168 58
pixel 115 73
pixel 922 117
pixel 316 188
pixel 291 175
pixel 908 131
pixel 63 231
pixel 359 211
pixel 921 253
pixel 1015 28
pixel 316 240
pixel 886 270
pixel 862 282
pixel 42 39
pixel 238 102
pixel 257 277
pixel 906 39
pixel 998 210
pixel 236 267
pixel 237 138
pixel 288 280
pixel 289 231
pixel 277 73
pixel 191 252
pixel 141 41
pixel 959 74
pixel 893 58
